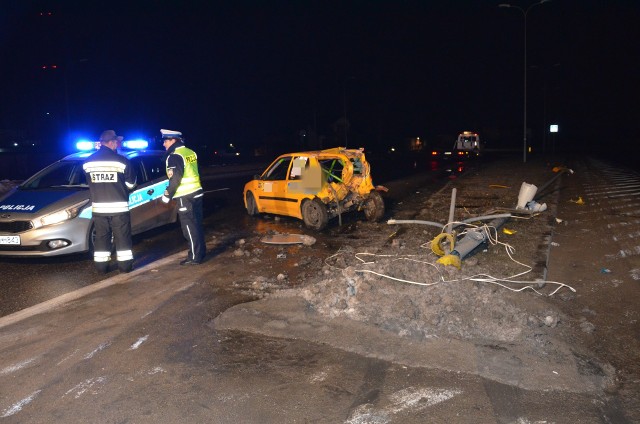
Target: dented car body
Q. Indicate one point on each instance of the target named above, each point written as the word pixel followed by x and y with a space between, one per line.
pixel 315 187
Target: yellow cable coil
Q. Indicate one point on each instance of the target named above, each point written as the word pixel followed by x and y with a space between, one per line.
pixel 446 259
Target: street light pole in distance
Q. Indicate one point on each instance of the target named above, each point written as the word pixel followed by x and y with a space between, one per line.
pixel 524 13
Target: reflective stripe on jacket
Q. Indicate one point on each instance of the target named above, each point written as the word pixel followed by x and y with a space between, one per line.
pixel 110 177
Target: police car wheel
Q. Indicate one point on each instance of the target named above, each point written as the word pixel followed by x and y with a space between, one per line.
pixel 91 240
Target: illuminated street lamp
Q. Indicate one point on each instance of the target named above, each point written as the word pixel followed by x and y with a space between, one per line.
pixel 524 13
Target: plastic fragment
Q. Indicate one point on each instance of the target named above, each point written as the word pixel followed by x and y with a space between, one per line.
pixel 450 260
pixel 508 231
pixel 536 207
pixel 579 201
pixel 288 239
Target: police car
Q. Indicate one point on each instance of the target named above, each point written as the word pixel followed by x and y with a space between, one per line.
pixel 49 214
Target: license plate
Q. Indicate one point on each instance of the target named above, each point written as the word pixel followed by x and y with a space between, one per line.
pixel 10 240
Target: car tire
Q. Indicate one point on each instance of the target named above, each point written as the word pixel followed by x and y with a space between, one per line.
pixel 314 214
pixel 374 207
pixel 91 240
pixel 252 207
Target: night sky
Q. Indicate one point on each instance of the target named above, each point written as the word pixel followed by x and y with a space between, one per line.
pixel 258 72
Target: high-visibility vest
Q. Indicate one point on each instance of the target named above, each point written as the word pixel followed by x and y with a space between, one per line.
pixel 190 182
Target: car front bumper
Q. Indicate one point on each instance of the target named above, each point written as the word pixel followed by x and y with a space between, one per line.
pixel 35 242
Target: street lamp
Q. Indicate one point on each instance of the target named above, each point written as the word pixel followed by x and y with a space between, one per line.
pixel 524 13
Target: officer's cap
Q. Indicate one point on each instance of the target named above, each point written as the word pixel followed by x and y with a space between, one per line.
pixel 170 134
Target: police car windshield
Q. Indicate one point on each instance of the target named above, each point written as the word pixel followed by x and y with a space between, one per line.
pixel 60 175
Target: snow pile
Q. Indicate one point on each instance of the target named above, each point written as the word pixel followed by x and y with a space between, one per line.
pixel 432 301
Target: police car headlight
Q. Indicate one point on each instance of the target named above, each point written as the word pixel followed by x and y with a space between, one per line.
pixel 60 216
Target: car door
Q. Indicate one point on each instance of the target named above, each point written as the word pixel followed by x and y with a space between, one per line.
pixel 144 201
pixel 156 173
pixel 272 188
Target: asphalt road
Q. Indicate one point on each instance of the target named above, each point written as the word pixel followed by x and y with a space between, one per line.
pixel 146 351
pixel 29 281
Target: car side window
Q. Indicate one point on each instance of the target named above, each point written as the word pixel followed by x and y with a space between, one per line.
pixel 357 166
pixel 154 167
pixel 78 176
pixel 299 166
pixel 278 170
pixel 137 167
pixel 332 169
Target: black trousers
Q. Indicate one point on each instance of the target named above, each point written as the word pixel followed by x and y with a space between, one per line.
pixel 190 213
pixel 118 227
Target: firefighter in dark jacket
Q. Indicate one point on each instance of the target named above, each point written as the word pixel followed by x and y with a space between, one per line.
pixel 184 187
pixel 111 178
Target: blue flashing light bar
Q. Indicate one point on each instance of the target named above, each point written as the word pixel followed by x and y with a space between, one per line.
pixel 85 145
pixel 135 144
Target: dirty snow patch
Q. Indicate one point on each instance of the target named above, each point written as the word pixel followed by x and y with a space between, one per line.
pixel 451 307
pixel 417 399
pixel 147 314
pixel 363 414
pixel 17 407
pixel 139 342
pixel 321 376
pixel 100 347
pixel 16 367
pixel 86 385
pixel 410 398
pixel 156 370
pixel 67 357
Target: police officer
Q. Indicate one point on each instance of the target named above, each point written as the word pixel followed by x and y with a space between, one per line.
pixel 110 178
pixel 184 186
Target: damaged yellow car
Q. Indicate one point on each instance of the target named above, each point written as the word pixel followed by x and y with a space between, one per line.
pixel 316 187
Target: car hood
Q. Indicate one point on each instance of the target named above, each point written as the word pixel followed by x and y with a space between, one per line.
pixel 33 201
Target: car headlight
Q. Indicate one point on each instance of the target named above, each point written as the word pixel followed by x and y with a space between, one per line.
pixel 60 216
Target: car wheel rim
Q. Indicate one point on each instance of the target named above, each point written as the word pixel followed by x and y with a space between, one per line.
pixel 314 214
